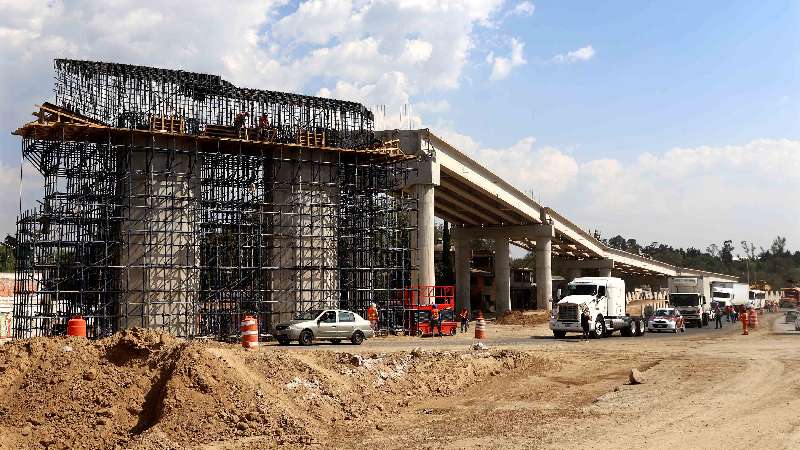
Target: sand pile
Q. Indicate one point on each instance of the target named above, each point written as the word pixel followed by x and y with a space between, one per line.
pixel 524 318
pixel 148 390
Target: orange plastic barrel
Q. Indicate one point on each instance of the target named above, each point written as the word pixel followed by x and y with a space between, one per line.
pixel 249 330
pixel 76 326
pixel 753 319
pixel 480 326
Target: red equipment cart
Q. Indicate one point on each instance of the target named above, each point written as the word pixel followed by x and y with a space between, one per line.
pixel 418 303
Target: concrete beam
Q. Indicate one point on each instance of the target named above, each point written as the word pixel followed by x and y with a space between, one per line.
pixel 515 232
pixel 583 263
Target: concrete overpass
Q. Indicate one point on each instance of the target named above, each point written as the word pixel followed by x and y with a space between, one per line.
pixel 480 204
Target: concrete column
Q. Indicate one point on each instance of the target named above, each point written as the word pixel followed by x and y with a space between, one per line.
pixel 462 266
pixel 544 275
pixel 502 276
pixel 605 271
pixel 425 234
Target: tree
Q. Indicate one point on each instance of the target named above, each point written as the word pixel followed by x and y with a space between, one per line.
pixel 618 242
pixel 778 246
pixel 726 254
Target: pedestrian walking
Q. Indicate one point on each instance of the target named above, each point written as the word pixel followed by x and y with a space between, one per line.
pixel 718 317
pixel 372 316
pixel 585 322
pixel 464 316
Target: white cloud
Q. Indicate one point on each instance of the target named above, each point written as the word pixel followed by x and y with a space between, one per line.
pixel 542 171
pixel 581 54
pixel 684 196
pixel 501 66
pixel 524 8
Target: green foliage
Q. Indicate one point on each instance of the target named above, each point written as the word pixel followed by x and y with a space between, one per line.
pixel 777 266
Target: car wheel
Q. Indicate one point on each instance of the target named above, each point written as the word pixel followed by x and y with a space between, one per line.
pixel 358 338
pixel 306 337
pixel 559 334
pixel 453 331
pixel 283 341
pixel 418 333
pixel 336 341
pixel 599 328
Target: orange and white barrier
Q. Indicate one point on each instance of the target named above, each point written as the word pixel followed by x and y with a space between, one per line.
pixel 249 330
pixel 480 326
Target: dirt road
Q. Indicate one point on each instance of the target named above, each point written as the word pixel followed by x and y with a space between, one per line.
pixel 704 389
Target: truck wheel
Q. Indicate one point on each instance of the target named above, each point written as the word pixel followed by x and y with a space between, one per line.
pixel 599 329
pixel 641 327
pixel 559 334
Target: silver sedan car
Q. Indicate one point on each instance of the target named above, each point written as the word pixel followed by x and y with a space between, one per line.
pixel 332 325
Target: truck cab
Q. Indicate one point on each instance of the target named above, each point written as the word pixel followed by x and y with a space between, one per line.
pixel 604 297
pixel 693 307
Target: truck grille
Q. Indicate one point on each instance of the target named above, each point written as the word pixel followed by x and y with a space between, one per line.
pixel 568 312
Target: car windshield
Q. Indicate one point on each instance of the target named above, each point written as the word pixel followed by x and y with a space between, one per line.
pixel 310 314
pixel 582 289
pixel 684 299
pixel 663 313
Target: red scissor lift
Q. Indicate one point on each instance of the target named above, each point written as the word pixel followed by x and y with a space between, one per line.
pixel 418 303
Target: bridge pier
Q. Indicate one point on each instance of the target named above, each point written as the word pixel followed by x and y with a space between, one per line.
pixel 544 272
pixel 502 276
pixel 463 258
pixel 426 271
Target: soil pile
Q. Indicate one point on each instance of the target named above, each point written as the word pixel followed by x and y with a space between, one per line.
pixel 524 318
pixel 148 390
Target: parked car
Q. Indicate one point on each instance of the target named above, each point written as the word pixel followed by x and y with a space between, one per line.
pixel 332 325
pixel 666 319
pixel 791 316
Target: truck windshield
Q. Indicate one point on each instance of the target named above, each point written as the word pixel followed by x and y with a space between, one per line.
pixel 582 289
pixel 684 299
pixel 721 295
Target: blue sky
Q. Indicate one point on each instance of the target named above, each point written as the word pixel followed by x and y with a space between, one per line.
pixel 676 122
pixel 664 74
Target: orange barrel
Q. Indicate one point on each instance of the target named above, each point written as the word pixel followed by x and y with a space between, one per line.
pixel 76 326
pixel 249 330
pixel 753 319
pixel 480 326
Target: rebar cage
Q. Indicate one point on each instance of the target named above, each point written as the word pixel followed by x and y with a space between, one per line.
pixel 171 231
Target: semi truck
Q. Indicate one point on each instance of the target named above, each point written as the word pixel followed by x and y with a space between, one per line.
pixel 758 298
pixel 726 293
pixel 790 297
pixel 605 299
pixel 691 296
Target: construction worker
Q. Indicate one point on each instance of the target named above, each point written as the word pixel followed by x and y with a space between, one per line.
pixel 372 316
pixel 718 317
pixel 464 316
pixel 435 321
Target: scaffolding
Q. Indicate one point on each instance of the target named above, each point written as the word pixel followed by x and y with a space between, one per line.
pixel 165 207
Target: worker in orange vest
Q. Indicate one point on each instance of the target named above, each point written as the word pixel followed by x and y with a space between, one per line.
pixel 464 316
pixel 743 317
pixel 372 316
pixel 435 321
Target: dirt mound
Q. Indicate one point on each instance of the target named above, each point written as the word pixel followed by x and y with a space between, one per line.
pixel 525 318
pixel 148 390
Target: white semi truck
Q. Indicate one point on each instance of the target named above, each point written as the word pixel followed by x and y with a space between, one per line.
pixel 727 293
pixel 605 299
pixel 691 295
